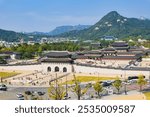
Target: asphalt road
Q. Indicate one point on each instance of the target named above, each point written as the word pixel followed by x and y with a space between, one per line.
pixel 10 94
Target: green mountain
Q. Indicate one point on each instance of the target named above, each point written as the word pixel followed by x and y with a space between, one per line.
pixel 11 36
pixel 113 24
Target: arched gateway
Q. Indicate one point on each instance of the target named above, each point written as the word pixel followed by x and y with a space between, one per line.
pixel 56 69
pixel 49 69
pixel 64 69
pixel 57 61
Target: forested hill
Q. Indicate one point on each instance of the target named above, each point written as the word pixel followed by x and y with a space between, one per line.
pixel 11 36
pixel 113 24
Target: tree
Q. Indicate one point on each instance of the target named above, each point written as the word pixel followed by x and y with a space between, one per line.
pixel 141 81
pixel 2 61
pixel 98 88
pixel 27 55
pixel 78 90
pixel 40 49
pixel 117 84
pixel 56 91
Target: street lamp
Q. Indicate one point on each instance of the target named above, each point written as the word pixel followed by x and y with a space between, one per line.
pixel 125 81
pixel 66 87
pixel 50 80
pixel 56 87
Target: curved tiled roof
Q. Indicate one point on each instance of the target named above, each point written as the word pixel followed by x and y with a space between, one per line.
pixel 56 60
pixel 109 49
pixel 119 44
pixel 57 54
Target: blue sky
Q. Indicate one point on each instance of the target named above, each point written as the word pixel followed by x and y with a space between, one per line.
pixel 45 15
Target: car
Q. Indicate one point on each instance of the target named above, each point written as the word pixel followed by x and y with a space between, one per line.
pixel 128 82
pixel 3 87
pixel 28 92
pixel 133 81
pixel 20 96
pixel 148 80
pixel 41 93
pixel 66 98
pixel 134 77
pixel 106 84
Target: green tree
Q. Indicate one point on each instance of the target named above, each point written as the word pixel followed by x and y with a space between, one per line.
pixel 2 61
pixel 40 49
pixel 141 81
pixel 78 90
pixel 27 55
pixel 98 88
pixel 117 84
pixel 56 91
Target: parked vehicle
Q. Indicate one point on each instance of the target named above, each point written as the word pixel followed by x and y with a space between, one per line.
pixel 106 84
pixel 20 96
pixel 133 77
pixel 41 93
pixel 3 87
pixel 28 92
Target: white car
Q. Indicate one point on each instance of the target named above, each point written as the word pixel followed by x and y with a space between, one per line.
pixel 3 87
pixel 20 96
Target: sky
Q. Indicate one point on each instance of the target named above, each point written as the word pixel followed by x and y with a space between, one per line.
pixel 45 15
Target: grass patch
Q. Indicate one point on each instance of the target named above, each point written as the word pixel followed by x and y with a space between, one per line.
pixel 7 74
pixel 147 94
pixel 90 79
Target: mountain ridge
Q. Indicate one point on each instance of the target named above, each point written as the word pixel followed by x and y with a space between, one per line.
pixel 61 29
pixel 113 24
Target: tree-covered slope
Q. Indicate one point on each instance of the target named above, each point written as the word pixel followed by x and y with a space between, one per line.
pixel 113 24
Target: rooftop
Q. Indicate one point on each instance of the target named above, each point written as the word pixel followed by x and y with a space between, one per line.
pixel 57 54
pixel 64 60
pixel 119 44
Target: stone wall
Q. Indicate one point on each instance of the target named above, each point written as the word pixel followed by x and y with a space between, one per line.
pixel 78 69
pixel 108 72
pixel 52 66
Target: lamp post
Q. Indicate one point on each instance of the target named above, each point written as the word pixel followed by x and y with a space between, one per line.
pixel 50 80
pixel 66 87
pixel 125 81
pixel 56 87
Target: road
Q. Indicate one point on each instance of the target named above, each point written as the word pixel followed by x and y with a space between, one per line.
pixel 10 94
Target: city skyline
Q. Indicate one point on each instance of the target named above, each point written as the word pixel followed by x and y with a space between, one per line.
pixel 39 15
